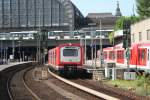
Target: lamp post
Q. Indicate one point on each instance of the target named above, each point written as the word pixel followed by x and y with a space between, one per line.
pixel 39 46
pixel 13 47
pixel 23 56
pixel 44 44
pixel 6 54
pixel 1 49
pixel 37 52
pixel 39 39
pixel 19 51
pixel 81 42
pixel 95 54
pixel 85 47
pixel 91 30
pixel 100 35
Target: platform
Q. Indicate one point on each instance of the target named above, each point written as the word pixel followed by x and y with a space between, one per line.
pixel 2 67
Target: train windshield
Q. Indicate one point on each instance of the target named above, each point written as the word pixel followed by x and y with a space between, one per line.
pixel 70 52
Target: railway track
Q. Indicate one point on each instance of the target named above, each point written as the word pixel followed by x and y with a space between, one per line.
pixel 18 89
pixel 23 86
pixel 102 90
pixel 53 89
pixel 83 91
pixel 5 78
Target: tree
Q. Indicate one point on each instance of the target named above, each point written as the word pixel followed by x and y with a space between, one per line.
pixel 134 19
pixel 111 37
pixel 143 8
pixel 120 22
pixel 120 25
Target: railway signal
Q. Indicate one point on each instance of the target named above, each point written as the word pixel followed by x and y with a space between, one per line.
pixel 127 53
pixel 126 34
pixel 126 39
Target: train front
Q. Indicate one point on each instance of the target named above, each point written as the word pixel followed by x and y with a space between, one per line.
pixel 71 58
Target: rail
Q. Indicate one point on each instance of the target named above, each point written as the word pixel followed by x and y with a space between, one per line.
pixel 88 90
pixel 24 83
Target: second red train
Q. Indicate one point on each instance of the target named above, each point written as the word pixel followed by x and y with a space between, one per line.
pixel 139 56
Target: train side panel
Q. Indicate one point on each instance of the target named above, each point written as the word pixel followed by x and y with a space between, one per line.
pixel 57 57
pixel 139 56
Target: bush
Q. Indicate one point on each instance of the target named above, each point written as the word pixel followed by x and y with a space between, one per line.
pixel 143 84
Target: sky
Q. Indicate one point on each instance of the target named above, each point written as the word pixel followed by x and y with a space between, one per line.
pixel 103 6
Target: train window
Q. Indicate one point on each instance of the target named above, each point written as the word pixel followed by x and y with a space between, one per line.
pixel 120 54
pixel 70 52
pixel 112 55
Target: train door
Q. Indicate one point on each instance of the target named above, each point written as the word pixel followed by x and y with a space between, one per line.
pixel 120 56
pixel 148 57
pixel 112 55
pixel 142 56
pixel 133 56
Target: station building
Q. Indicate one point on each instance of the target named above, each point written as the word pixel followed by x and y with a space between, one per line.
pixel 21 15
pixel 52 15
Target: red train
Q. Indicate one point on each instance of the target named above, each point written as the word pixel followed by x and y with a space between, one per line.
pixel 139 56
pixel 66 58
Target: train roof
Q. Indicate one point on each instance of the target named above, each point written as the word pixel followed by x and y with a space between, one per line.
pixel 134 45
pixel 118 46
pixel 67 44
pixel 144 44
pixel 108 48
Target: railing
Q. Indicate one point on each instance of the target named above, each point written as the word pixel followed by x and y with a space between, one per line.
pixel 31 35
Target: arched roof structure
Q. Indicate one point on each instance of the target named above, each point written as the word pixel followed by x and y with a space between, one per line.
pixel 33 14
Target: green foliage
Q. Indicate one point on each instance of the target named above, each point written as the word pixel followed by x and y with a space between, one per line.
pixel 122 20
pixel 140 86
pixel 143 8
pixel 119 23
pixel 134 19
pixel 111 37
pixel 143 84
